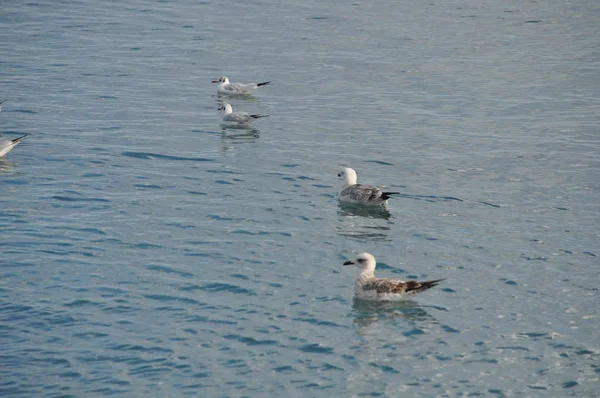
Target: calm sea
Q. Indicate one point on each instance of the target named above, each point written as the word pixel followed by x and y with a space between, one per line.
pixel 145 251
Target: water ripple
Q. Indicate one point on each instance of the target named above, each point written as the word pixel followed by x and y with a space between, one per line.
pixel 153 156
pixel 217 287
pixel 316 348
pixel 249 340
pixel 147 252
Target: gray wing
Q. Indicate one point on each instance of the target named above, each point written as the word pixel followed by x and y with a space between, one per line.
pixel 240 88
pixel 237 117
pixel 359 193
pixel 6 146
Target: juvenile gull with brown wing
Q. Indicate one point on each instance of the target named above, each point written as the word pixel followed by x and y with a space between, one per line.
pixel 353 192
pixel 369 287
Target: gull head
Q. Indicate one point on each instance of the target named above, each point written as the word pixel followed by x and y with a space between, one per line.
pixel 225 108
pixel 222 80
pixel 364 262
pixel 349 176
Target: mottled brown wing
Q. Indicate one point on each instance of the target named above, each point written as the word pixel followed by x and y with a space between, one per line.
pixel 416 286
pixel 361 193
pixel 375 193
pixel 386 286
pixel 399 286
pixel 412 285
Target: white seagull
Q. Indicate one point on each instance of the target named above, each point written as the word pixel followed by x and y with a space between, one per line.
pixel 369 287
pixel 7 145
pixel 236 88
pixel 359 193
pixel 236 119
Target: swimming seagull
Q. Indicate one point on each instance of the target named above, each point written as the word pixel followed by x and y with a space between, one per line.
pixel 369 287
pixel 236 119
pixel 7 145
pixel 359 193
pixel 236 88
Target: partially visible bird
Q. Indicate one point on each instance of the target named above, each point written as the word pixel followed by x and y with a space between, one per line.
pixel 237 119
pixel 353 192
pixel 7 145
pixel 236 88
pixel 369 287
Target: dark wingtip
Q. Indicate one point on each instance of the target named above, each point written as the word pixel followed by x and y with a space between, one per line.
pixel 263 84
pixel 19 138
pixel 387 195
pixel 429 284
pixel 435 281
pixel 417 287
pixel 259 116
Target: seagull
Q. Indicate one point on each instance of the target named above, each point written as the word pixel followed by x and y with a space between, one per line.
pixel 236 88
pixel 7 145
pixel 236 119
pixel 359 193
pixel 369 287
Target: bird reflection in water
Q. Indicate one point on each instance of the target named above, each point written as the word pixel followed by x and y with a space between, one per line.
pixel 239 135
pixel 364 222
pixel 348 209
pixel 366 312
pixel 6 164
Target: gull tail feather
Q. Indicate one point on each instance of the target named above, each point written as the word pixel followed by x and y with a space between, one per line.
pixel 256 116
pixel 386 195
pixel 17 140
pixel 263 84
pixel 422 286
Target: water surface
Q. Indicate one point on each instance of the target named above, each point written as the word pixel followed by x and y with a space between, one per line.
pixel 146 251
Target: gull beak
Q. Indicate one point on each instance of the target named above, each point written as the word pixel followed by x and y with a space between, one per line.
pixel 348 263
pixel 215 81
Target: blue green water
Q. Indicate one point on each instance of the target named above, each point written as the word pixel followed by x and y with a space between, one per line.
pixel 144 251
